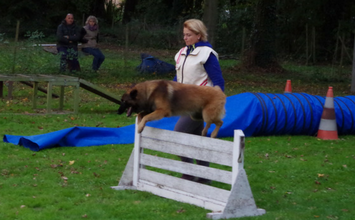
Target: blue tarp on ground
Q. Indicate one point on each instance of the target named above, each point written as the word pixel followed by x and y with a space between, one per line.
pixel 150 65
pixel 255 113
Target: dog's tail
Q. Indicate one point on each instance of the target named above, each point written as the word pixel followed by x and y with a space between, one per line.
pixel 217 86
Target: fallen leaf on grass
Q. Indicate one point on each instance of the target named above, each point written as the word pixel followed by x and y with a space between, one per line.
pixel 316 182
pixel 84 216
pixel 55 165
pixel 23 206
pixel 181 210
pixel 71 162
pixel 320 175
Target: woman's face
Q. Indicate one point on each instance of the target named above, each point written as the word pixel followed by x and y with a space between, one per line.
pixel 190 37
pixel 91 22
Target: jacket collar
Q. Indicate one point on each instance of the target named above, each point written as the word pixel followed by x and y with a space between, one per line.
pixel 191 48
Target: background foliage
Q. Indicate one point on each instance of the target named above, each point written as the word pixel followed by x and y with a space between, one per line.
pixel 325 25
pixel 292 177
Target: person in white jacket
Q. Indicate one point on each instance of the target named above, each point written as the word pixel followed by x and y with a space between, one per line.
pixel 196 63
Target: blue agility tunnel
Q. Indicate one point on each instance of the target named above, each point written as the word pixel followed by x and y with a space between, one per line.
pixel 279 114
pixel 257 114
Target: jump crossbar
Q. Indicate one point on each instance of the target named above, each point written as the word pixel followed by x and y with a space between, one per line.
pixel 154 166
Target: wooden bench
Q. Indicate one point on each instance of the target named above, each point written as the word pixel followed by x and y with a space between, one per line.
pixel 141 173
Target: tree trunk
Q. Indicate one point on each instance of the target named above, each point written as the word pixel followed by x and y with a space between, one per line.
pixel 129 8
pixel 353 71
pixel 210 18
pixel 262 51
pixel 98 8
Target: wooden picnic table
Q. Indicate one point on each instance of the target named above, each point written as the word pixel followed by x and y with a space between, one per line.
pixel 55 80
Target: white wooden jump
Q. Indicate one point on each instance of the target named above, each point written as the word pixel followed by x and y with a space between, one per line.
pixel 138 174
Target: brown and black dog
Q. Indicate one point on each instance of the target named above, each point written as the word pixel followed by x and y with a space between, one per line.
pixel 155 99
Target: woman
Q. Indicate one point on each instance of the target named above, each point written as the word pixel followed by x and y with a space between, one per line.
pixel 197 63
pixel 92 36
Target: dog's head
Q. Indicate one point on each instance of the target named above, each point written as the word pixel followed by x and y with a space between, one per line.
pixel 129 102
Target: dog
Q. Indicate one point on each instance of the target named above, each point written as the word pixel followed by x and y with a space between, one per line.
pixel 155 99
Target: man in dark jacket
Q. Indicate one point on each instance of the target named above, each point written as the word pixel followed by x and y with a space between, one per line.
pixel 68 35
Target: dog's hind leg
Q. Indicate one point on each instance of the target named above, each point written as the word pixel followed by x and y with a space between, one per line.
pixel 216 130
pixel 205 129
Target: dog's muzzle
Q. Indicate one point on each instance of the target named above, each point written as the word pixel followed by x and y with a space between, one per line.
pixel 123 108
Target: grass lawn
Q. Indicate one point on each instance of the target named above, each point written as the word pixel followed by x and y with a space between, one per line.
pixel 291 177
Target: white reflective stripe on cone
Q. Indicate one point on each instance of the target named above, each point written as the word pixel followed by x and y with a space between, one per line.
pixel 329 102
pixel 328 125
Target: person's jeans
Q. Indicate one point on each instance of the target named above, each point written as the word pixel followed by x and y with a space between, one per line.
pixel 187 125
pixel 68 56
pixel 98 56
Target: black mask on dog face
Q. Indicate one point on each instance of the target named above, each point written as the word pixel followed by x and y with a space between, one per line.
pixel 122 108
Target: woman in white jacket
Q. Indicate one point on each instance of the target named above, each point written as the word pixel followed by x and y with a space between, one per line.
pixel 196 63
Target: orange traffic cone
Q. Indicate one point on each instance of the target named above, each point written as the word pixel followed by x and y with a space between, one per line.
pixel 288 88
pixel 328 125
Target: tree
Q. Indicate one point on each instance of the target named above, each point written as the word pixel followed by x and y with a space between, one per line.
pixel 353 70
pixel 129 8
pixel 98 8
pixel 210 18
pixel 262 51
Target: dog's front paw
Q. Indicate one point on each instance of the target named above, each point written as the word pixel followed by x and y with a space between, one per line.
pixel 140 128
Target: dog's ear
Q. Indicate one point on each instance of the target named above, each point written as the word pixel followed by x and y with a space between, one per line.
pixel 133 94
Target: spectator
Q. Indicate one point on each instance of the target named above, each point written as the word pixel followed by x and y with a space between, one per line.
pixel 68 35
pixel 92 37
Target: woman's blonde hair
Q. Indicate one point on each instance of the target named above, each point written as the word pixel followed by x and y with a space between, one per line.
pixel 198 27
pixel 92 17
